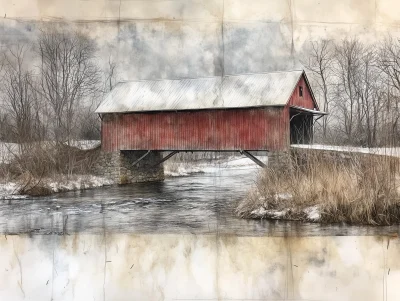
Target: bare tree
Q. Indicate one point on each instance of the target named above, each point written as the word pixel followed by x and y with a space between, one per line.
pixel 68 75
pixel 370 96
pixel 389 60
pixel 110 75
pixel 389 63
pixel 18 94
pixel 359 92
pixel 321 63
pixel 348 62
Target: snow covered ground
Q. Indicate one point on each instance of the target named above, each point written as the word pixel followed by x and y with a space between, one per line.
pixel 85 144
pixel 311 214
pixel 387 151
pixel 178 169
pixel 78 183
pixel 9 190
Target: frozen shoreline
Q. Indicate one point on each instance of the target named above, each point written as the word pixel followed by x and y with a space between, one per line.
pixel 59 183
pixel 9 190
pixel 309 214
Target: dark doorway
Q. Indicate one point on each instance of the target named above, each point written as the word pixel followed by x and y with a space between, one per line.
pixel 301 127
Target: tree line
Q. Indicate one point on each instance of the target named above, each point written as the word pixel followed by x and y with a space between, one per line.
pixel 48 91
pixel 358 84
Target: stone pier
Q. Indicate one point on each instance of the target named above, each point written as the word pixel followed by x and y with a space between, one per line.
pixel 118 166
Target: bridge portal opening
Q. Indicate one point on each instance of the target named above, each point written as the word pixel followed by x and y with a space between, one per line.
pixel 301 127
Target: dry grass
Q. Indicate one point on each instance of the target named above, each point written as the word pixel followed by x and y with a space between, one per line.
pixel 38 163
pixel 357 189
pixel 48 159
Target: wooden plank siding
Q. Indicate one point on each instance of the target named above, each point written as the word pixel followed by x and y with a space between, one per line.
pixel 217 130
pixel 306 101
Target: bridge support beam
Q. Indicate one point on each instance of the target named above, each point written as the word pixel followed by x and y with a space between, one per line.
pixel 166 157
pixel 141 158
pixel 253 158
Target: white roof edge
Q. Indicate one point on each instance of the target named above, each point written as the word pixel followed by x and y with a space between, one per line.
pixel 315 112
pixel 195 109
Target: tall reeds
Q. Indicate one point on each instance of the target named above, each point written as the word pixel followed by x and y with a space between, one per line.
pixel 345 187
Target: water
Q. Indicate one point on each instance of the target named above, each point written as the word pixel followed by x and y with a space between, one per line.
pixel 180 240
pixel 198 204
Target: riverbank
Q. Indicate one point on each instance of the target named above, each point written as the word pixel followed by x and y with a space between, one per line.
pixel 44 168
pixel 352 188
pixel 10 190
pixel 17 184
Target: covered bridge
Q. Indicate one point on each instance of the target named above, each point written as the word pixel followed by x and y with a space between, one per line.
pixel 249 112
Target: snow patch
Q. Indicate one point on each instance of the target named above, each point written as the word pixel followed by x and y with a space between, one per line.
pixel 179 170
pixel 176 169
pixel 85 144
pixel 283 197
pixel 78 183
pixel 260 212
pixel 269 213
pixel 9 191
pixel 313 213
pixel 387 151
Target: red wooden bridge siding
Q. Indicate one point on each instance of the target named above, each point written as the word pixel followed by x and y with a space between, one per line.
pixel 306 101
pixel 266 128
pixel 235 129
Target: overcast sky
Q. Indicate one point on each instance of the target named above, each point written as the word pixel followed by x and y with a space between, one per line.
pixel 183 38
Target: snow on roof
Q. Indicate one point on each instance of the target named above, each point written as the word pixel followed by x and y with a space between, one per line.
pixel 231 91
pixel 304 110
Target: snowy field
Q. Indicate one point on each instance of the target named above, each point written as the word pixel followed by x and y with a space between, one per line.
pixel 387 151
pixel 178 169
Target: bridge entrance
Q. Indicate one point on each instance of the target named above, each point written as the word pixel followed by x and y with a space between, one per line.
pixel 301 125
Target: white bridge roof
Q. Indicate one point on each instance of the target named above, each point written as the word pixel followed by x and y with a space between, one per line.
pixel 231 91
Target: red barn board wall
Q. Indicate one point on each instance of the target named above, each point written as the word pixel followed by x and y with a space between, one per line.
pixel 306 101
pixel 233 129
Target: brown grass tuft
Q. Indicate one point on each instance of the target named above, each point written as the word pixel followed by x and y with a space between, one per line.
pixel 352 188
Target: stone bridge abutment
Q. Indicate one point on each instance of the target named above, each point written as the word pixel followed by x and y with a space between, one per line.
pixel 123 167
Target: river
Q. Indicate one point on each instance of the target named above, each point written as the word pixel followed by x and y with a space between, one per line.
pixel 180 240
